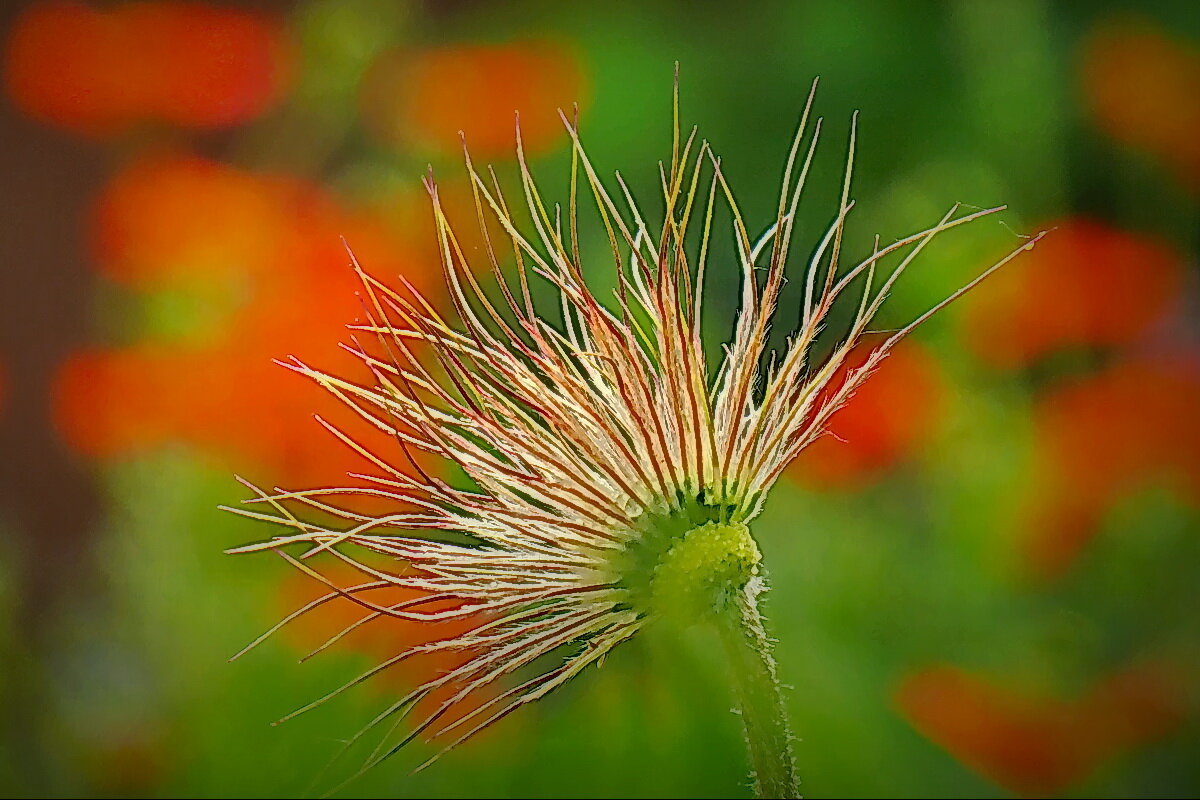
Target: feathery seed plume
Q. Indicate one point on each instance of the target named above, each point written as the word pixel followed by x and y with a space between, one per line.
pixel 615 470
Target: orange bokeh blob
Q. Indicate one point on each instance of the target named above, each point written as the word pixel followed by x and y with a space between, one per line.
pixel 1143 88
pixel 249 414
pixel 426 98
pixel 1102 437
pixel 1035 745
pixel 882 424
pixel 171 221
pixel 98 71
pixel 162 218
pixel 1084 285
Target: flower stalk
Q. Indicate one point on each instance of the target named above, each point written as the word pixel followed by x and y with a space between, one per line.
pixel 760 698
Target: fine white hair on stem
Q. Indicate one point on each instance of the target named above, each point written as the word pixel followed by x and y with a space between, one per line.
pixel 572 438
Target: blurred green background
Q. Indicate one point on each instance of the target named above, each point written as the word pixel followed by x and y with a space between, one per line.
pixel 985 586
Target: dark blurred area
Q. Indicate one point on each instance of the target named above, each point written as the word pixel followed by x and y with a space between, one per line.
pixel 983 585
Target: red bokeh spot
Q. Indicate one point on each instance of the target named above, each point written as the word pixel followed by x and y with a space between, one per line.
pixel 1102 437
pixel 207 66
pixel 100 71
pixel 1143 88
pixel 1037 745
pixel 110 401
pixel 426 98
pixel 64 65
pixel 1084 285
pixel 881 425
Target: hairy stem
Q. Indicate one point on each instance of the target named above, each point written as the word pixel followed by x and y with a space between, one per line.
pixel 768 735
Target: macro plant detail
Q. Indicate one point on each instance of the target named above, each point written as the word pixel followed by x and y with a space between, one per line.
pixel 614 471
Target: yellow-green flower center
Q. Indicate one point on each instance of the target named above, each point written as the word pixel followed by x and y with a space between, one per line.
pixel 688 564
pixel 704 570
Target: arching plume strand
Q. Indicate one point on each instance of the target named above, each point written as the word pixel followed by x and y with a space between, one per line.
pixel 583 443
